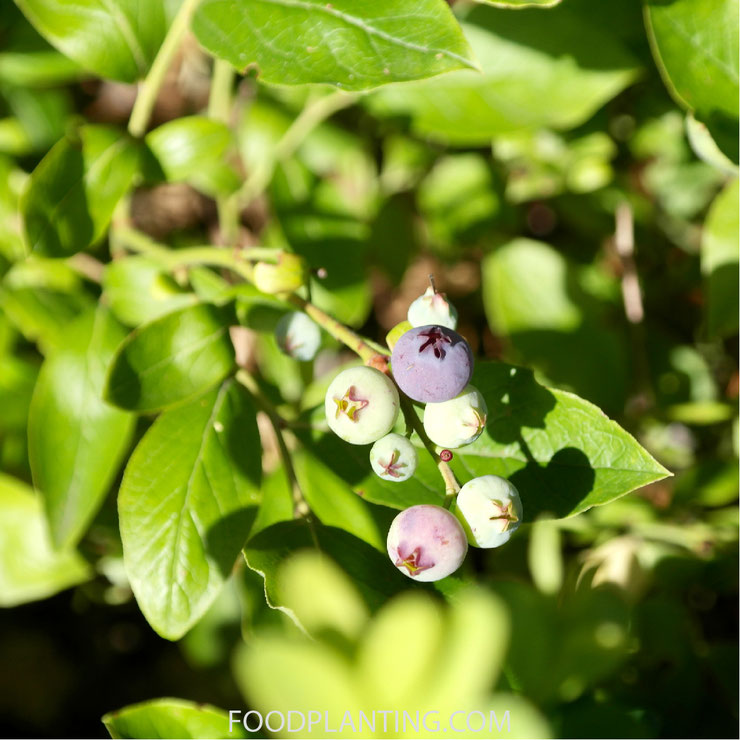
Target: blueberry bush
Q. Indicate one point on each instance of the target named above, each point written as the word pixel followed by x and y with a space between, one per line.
pixel 369 357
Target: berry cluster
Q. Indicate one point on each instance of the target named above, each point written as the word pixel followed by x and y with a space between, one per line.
pixel 431 364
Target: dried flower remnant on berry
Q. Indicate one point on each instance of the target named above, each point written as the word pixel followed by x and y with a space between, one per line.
pixel 350 405
pixel 414 562
pixel 436 340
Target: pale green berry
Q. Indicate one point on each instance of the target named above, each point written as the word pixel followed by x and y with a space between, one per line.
pixel 298 336
pixel 432 308
pixel 361 405
pixel 456 422
pixel 394 458
pixel 489 509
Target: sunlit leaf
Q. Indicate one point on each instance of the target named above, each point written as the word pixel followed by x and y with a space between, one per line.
pixel 350 45
pixel 186 503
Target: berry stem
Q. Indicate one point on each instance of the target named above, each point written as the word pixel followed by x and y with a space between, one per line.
pixel 338 330
pixel 300 507
pixel 452 487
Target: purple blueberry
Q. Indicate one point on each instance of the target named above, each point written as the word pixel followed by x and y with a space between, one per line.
pixel 432 363
pixel 426 543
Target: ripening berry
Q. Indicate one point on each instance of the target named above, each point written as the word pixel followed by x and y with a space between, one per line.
pixel 432 364
pixel 394 458
pixel 361 405
pixel 426 543
pixel 289 274
pixel 432 308
pixel 490 510
pixel 456 422
pixel 298 336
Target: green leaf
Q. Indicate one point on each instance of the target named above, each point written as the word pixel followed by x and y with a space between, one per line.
pixel 551 69
pixel 719 261
pixel 351 463
pixel 41 314
pixel 517 4
pixel 186 504
pixel 117 39
pixel 172 359
pixel 368 568
pixel 193 150
pixel 695 45
pixel 562 453
pixel 350 45
pixel 333 502
pixel 168 718
pixel 76 440
pixel 541 302
pixel 71 194
pixel 29 568
pixel 139 290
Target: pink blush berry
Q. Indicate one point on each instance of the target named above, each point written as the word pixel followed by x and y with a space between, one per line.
pixel 426 543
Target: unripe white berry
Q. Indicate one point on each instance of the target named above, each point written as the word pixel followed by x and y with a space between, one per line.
pixel 490 510
pixel 394 458
pixel 456 422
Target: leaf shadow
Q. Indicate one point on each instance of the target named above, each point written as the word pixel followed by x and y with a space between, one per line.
pixel 220 539
pixel 545 489
pixel 515 400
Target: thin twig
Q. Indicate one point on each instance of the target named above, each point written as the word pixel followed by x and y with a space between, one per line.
pixel 149 87
pixel 300 507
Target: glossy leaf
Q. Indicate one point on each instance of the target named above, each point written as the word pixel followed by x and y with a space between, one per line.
pixel 562 453
pixel 551 69
pixel 719 261
pixel 193 150
pixel 75 439
pixel 117 39
pixel 351 463
pixel 172 359
pixel 334 504
pixel 71 194
pixel 168 718
pixel 186 504
pixel 695 45
pixel 29 568
pixel 350 45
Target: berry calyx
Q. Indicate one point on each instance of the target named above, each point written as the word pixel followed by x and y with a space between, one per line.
pixel 349 404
